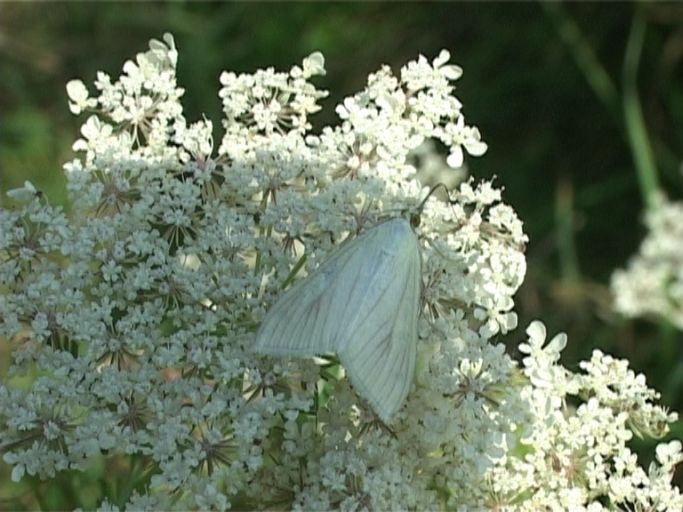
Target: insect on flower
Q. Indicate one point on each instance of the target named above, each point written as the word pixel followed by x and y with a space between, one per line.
pixel 362 303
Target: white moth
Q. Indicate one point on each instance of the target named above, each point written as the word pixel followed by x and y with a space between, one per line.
pixel 361 303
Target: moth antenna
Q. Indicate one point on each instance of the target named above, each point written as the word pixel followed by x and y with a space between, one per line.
pixel 434 189
pixel 415 218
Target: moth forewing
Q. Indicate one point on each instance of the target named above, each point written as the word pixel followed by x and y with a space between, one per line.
pixel 296 324
pixel 363 304
pixel 380 357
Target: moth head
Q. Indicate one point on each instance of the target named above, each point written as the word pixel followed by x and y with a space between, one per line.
pixel 415 215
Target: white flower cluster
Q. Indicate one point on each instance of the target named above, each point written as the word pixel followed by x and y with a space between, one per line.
pixel 652 284
pixel 576 445
pixel 134 317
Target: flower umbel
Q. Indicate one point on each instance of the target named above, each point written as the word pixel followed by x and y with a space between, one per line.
pixel 652 283
pixel 131 320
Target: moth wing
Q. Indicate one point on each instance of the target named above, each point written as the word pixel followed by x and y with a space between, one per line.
pixel 306 320
pixel 380 348
pixel 361 303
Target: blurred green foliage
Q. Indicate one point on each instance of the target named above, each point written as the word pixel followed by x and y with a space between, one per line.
pixel 546 84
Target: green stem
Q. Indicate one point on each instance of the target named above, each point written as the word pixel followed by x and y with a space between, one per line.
pixel 564 220
pixel 584 57
pixel 127 488
pixel 262 208
pixel 629 112
pixel 294 272
pixel 646 168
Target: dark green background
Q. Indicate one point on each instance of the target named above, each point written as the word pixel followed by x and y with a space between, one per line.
pixel 559 149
